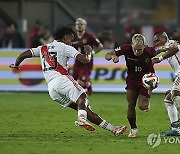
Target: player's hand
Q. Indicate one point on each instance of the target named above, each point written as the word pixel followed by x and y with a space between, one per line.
pixel 155 60
pixel 108 56
pixel 174 45
pixel 115 59
pixel 13 66
pixel 87 49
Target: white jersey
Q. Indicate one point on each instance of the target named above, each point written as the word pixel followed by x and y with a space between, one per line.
pixel 174 60
pixel 61 86
pixel 54 57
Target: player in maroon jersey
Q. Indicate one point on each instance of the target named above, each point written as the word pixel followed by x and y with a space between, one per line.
pixel 138 61
pixel 82 72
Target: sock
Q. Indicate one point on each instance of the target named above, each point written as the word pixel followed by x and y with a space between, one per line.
pixel 106 125
pixel 82 114
pixel 132 122
pixel 172 112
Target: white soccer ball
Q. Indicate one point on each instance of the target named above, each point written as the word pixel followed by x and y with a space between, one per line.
pixel 150 81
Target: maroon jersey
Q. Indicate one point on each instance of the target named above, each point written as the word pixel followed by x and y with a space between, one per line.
pixel 137 66
pixel 87 39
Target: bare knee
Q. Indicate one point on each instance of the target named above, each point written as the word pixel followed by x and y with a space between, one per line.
pixel 144 106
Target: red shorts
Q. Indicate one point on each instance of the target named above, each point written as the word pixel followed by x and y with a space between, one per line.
pixel 137 87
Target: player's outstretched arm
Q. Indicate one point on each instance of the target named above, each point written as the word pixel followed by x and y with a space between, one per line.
pixel 98 48
pixel 170 51
pixel 20 58
pixel 112 55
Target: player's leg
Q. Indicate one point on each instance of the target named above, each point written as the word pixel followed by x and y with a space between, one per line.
pixel 66 90
pixel 132 97
pixel 172 113
pixel 97 120
pixel 144 99
pixel 176 101
pixel 84 79
pixel 175 97
pixel 144 103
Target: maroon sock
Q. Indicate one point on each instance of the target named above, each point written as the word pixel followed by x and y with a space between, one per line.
pixel 132 122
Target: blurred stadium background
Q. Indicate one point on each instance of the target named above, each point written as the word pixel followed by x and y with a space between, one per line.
pixel 113 21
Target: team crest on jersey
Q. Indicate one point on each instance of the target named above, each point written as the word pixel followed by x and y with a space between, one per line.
pixel 84 41
pixel 147 60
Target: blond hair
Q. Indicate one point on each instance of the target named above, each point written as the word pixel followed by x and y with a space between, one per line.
pixel 81 20
pixel 138 39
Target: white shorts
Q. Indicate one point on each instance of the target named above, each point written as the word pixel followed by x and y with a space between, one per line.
pixel 176 84
pixel 65 90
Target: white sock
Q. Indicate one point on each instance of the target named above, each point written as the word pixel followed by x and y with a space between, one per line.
pixel 106 125
pixel 82 114
pixel 178 109
pixel 172 112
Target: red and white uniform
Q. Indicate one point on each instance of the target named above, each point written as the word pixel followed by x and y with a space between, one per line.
pixel 61 86
pixel 174 61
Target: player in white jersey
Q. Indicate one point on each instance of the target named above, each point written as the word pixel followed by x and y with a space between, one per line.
pixel 61 86
pixel 172 97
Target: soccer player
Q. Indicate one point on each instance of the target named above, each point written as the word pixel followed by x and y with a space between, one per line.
pixel 81 71
pixel 61 86
pixel 172 97
pixel 138 61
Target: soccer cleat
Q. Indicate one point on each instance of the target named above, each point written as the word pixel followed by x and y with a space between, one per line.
pixel 85 124
pixel 133 132
pixel 172 133
pixel 176 124
pixel 119 130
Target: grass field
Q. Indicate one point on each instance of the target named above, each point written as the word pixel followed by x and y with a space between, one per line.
pixel 31 123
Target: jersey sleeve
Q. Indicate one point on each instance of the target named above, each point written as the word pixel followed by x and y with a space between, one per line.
pixel 71 51
pixel 95 41
pixel 121 50
pixel 35 51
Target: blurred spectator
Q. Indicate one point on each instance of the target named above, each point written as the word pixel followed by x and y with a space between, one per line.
pixel 35 34
pixel 129 32
pixel 176 35
pixel 46 36
pixel 12 38
pixel 107 38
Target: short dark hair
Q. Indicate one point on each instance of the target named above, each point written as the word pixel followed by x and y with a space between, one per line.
pixel 61 31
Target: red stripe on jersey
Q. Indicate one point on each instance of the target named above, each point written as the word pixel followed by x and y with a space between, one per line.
pixel 48 58
pixel 178 60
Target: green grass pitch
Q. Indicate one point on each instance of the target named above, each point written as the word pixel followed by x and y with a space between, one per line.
pixel 31 123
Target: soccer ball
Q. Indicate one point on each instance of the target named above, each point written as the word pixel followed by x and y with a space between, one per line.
pixel 150 81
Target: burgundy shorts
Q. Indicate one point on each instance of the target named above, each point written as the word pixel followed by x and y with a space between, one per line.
pixel 82 73
pixel 137 87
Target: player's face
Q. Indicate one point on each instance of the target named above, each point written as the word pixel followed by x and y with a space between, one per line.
pixel 68 39
pixel 80 26
pixel 159 40
pixel 138 49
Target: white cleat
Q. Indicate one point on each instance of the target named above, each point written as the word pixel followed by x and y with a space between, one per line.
pixel 133 132
pixel 85 124
pixel 119 130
